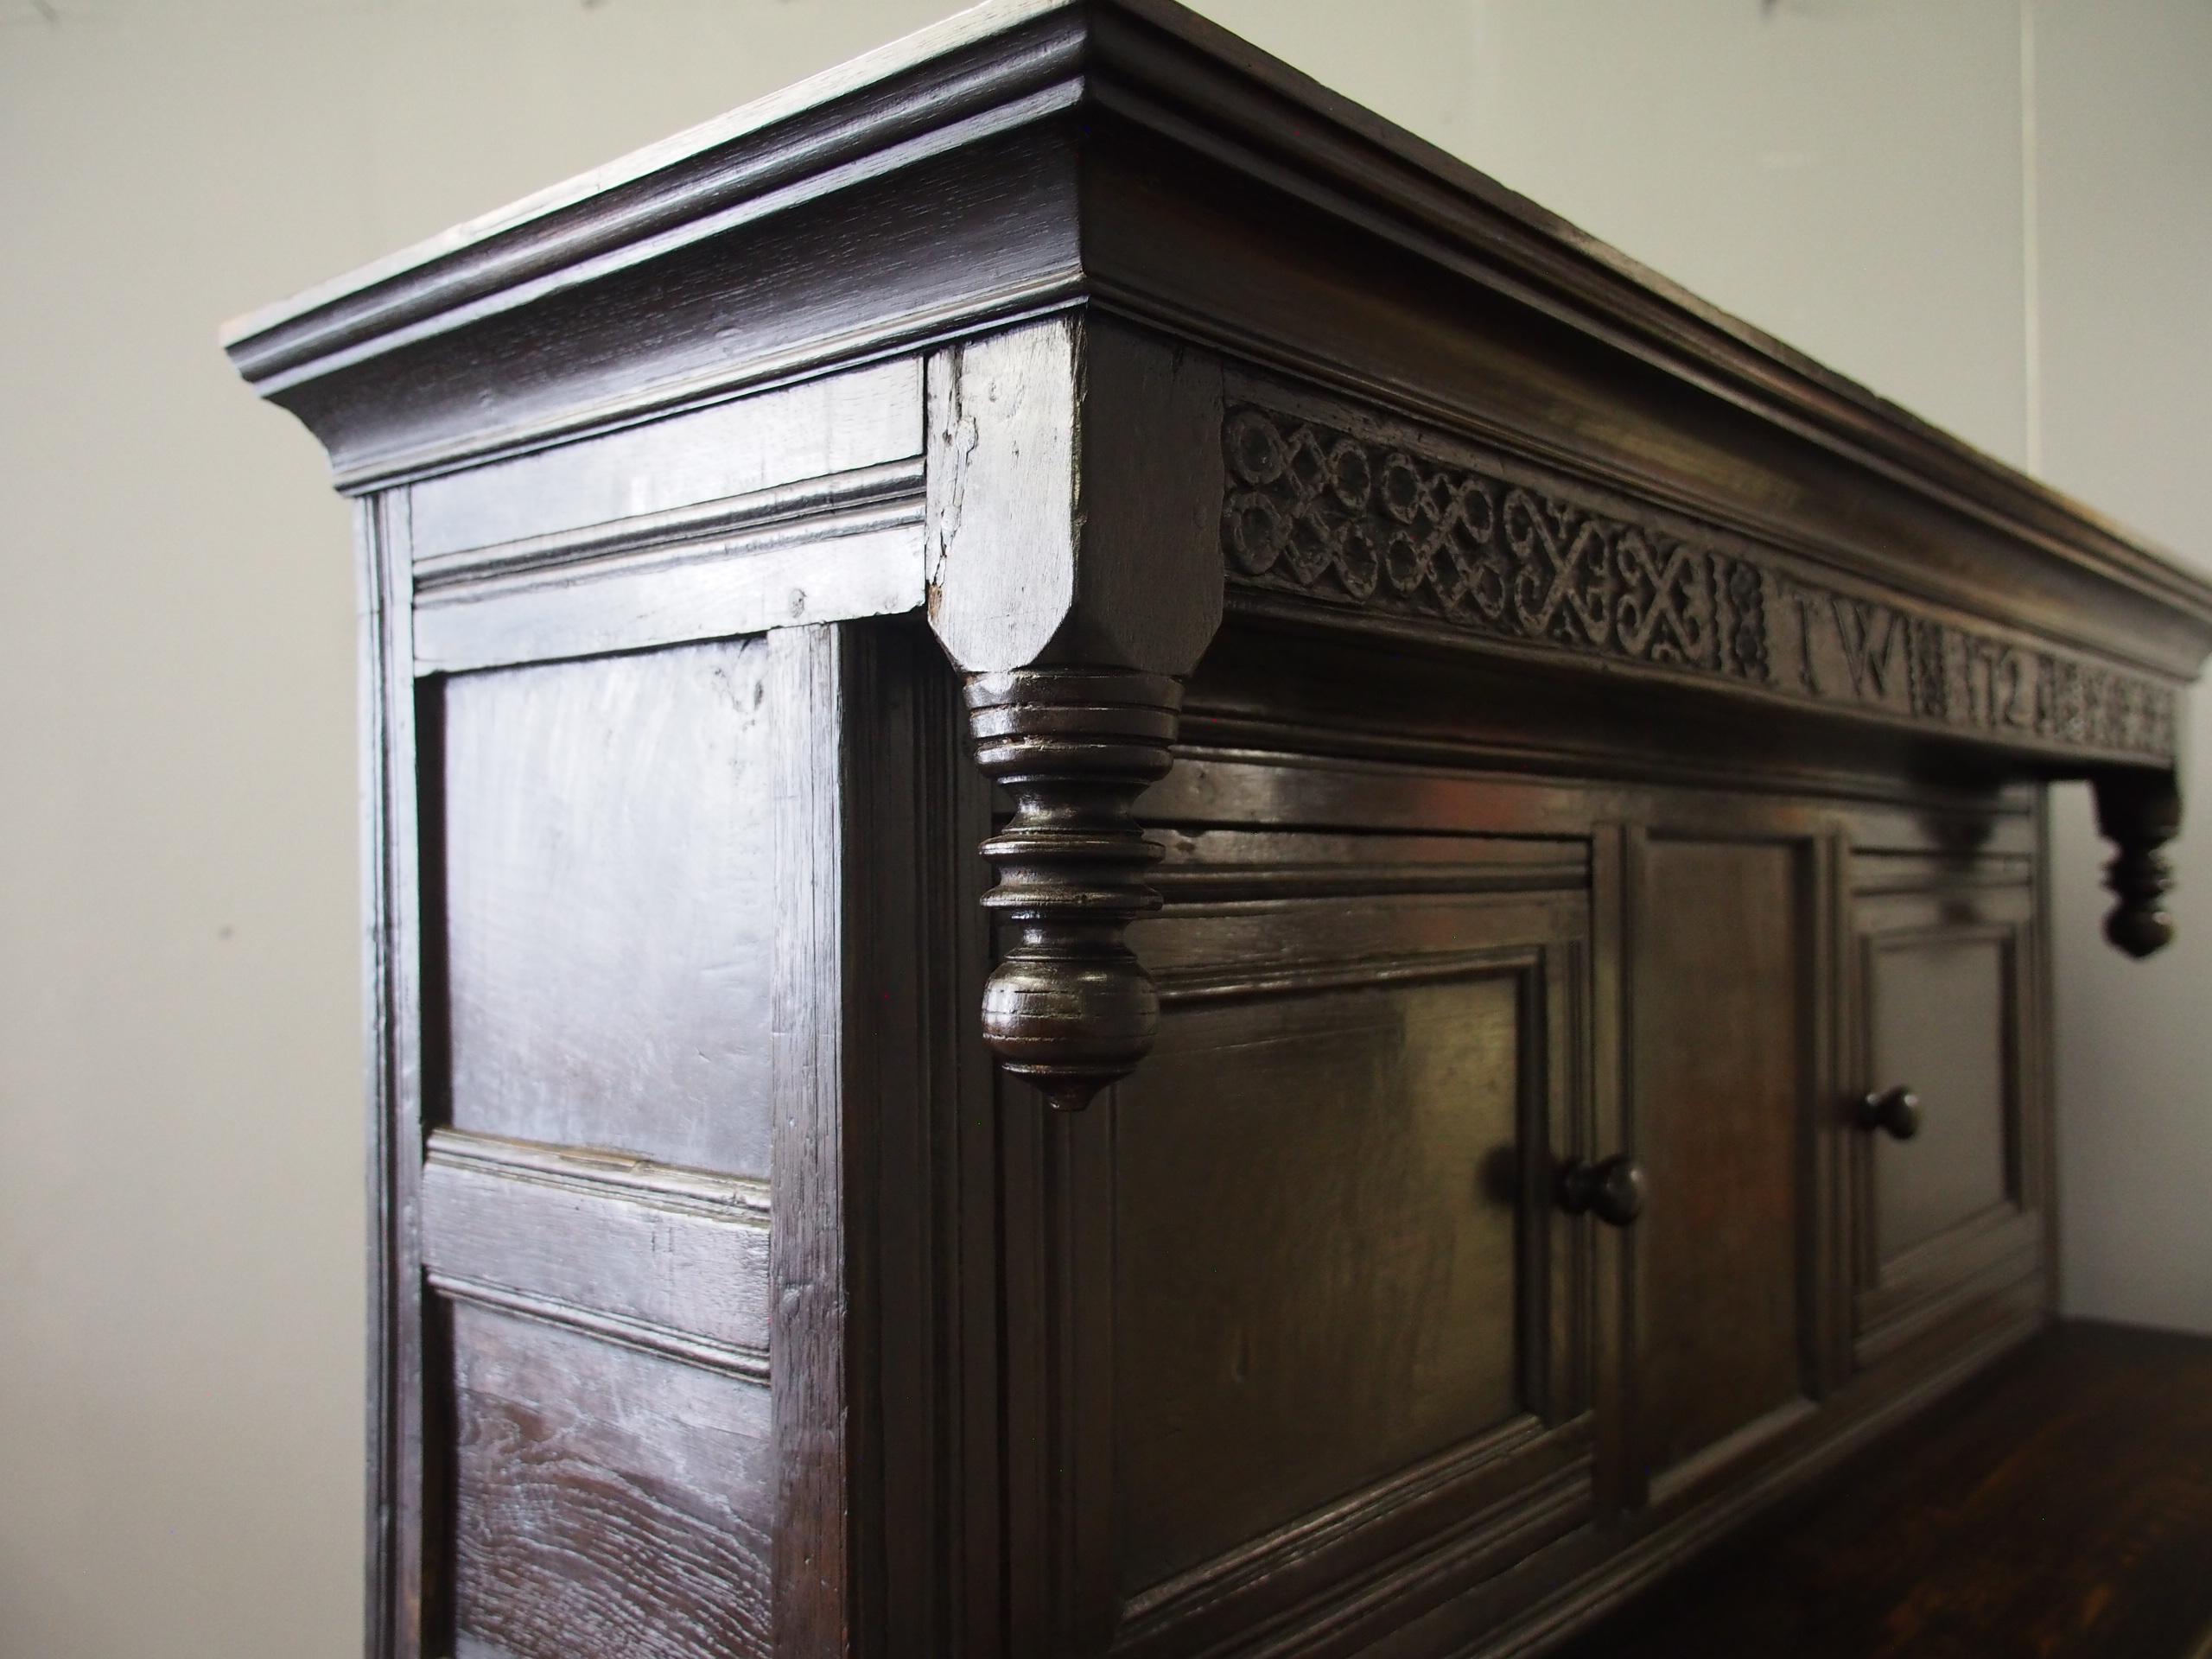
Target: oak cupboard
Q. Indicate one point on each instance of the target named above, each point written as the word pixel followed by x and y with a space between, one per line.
pixel 1499 1023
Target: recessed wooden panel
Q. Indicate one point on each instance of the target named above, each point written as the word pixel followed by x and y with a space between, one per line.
pixel 1938 1013
pixel 605 1501
pixel 1315 1255
pixel 606 855
pixel 1952 1219
pixel 1718 999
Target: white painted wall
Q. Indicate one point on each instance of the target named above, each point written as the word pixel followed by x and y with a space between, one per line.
pixel 181 1218
pixel 2123 167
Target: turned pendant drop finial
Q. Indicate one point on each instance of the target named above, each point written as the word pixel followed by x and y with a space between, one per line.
pixel 1069 1006
pixel 2139 813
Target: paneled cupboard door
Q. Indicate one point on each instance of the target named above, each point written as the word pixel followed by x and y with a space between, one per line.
pixel 1729 966
pixel 1317 1327
pixel 1947 1162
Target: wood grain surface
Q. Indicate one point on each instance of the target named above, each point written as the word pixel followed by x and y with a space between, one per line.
pixel 1721 1121
pixel 1940 1024
pixel 2062 1508
pixel 607 885
pixel 1315 1283
pixel 606 1502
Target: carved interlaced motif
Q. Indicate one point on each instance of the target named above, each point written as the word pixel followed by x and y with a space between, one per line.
pixel 1394 526
pixel 1326 509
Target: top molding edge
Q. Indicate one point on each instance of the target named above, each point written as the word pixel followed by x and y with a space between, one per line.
pixel 997 55
pixel 983 58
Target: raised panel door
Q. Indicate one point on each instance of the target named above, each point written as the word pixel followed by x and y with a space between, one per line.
pixel 1726 976
pixel 1947 1153
pixel 1320 1335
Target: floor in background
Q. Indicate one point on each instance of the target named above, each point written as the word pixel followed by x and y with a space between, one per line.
pixel 2061 1508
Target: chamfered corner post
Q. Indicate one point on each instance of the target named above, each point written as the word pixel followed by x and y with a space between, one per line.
pixel 2138 811
pixel 1074 494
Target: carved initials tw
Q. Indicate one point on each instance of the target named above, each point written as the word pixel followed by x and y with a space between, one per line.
pixel 1869 662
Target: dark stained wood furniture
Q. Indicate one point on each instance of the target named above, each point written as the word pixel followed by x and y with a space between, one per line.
pixel 2060 1506
pixel 1509 933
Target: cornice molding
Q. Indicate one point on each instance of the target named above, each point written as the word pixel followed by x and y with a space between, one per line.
pixel 998 66
pixel 1081 81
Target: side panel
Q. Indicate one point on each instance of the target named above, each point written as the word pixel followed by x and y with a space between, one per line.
pixel 601 1202
pixel 627 1071
pixel 610 852
pixel 608 1500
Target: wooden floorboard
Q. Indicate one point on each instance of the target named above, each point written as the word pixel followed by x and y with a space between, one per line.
pixel 2060 1508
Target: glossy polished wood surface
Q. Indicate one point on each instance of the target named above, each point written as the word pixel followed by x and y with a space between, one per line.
pixel 2060 1509
pixel 1315 1247
pixel 1718 989
pixel 1137 868
pixel 607 904
pixel 606 1493
pixel 1939 1015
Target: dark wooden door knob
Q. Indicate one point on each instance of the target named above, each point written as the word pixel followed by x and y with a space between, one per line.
pixel 1897 1110
pixel 1611 1189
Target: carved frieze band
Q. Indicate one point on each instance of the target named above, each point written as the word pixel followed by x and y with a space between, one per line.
pixel 1413 529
